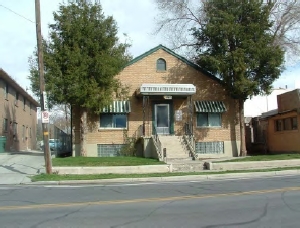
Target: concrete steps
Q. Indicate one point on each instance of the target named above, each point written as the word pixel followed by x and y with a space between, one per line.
pixel 175 148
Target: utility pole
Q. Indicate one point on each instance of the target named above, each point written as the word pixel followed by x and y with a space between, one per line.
pixel 43 99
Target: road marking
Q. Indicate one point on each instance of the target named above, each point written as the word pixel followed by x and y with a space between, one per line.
pixel 142 200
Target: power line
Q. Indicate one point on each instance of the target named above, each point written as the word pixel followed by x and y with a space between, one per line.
pixel 17 14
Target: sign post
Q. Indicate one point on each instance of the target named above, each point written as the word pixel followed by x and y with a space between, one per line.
pixel 45 117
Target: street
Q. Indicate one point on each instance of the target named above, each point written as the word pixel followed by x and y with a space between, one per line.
pixel 260 202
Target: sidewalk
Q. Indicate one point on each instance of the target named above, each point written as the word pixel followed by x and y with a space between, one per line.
pixel 173 178
pixel 15 167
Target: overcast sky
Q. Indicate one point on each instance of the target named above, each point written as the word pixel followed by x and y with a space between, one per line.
pixel 134 17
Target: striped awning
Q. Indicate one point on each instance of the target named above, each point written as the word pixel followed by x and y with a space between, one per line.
pixel 210 106
pixel 118 107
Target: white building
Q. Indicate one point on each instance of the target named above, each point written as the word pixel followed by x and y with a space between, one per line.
pixel 258 104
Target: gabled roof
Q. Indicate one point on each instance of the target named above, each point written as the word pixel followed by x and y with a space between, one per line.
pixel 17 87
pixel 195 66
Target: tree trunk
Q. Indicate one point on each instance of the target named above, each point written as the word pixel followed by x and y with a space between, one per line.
pixel 83 130
pixel 243 150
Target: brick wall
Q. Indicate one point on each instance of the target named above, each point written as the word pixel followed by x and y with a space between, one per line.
pixel 14 112
pixel 289 100
pixel 285 140
pixel 144 71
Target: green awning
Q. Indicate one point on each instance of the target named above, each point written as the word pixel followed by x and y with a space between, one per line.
pixel 118 107
pixel 210 106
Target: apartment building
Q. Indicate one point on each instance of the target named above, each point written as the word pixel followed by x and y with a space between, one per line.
pixel 18 115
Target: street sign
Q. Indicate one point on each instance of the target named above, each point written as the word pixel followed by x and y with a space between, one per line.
pixel 45 99
pixel 45 117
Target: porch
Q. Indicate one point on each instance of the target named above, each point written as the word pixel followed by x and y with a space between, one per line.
pixel 167 118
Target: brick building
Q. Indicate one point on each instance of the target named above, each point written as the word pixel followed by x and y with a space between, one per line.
pixel 282 130
pixel 18 115
pixel 170 98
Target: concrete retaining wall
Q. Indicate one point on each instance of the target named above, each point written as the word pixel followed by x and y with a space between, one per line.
pixel 252 165
pixel 114 169
pixel 188 167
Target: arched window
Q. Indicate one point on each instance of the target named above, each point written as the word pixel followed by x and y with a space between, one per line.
pixel 161 65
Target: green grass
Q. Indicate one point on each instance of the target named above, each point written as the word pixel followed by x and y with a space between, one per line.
pixel 270 157
pixel 104 161
pixel 57 177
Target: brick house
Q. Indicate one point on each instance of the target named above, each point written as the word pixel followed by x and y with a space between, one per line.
pixel 281 125
pixel 172 104
pixel 18 115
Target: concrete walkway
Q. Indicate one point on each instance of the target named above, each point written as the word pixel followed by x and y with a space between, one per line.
pixel 204 177
pixel 17 166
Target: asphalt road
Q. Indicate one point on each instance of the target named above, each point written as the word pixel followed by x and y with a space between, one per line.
pixel 266 202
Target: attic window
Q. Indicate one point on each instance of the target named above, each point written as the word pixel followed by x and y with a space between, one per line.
pixel 161 65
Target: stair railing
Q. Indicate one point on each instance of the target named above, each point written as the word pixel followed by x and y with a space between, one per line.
pixel 157 143
pixel 189 140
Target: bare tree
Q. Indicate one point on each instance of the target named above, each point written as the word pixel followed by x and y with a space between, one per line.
pixel 174 21
pixel 286 28
pixel 176 18
pixel 61 117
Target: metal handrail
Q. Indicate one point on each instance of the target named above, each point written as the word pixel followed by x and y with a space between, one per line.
pixel 190 141
pixel 157 142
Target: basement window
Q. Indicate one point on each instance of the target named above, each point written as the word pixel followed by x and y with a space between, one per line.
pixel 209 147
pixel 109 150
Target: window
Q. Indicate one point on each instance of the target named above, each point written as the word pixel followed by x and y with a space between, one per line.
pixel 15 129
pixel 6 90
pixel 161 65
pixel 24 103
pixel 294 123
pixel 16 98
pixel 208 119
pixel 209 147
pixel 109 150
pixel 286 124
pixel 30 107
pixel 278 125
pixel 30 132
pixel 5 125
pixel 23 132
pixel 111 120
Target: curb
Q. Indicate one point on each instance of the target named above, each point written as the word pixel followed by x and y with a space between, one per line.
pixel 170 179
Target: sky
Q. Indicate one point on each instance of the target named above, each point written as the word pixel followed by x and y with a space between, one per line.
pixel 136 18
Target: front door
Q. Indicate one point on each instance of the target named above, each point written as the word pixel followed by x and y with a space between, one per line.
pixel 162 118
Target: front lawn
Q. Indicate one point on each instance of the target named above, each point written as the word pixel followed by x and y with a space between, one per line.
pixel 57 177
pixel 104 161
pixel 270 157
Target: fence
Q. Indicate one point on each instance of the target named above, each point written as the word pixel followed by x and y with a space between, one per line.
pixel 62 143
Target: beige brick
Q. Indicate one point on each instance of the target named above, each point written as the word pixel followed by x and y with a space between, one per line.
pixel 144 71
pixel 15 112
